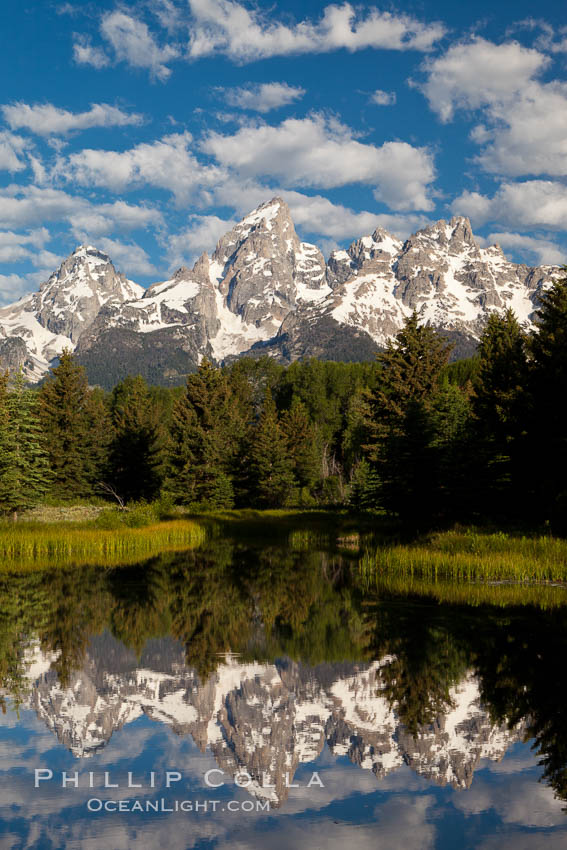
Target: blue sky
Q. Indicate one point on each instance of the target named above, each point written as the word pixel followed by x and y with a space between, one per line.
pixel 147 129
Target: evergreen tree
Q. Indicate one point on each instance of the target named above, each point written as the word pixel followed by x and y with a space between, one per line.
pixel 24 471
pixel 137 450
pixel 271 466
pixel 304 445
pixel 402 421
pixel 364 486
pixel 548 385
pixel 500 383
pixel 456 460
pixel 207 431
pixel 74 424
pixel 500 402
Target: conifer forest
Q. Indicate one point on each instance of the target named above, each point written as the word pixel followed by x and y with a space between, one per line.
pixel 411 435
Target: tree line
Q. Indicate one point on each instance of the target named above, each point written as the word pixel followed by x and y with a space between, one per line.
pixel 411 434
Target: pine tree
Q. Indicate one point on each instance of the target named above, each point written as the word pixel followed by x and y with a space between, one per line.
pixel 501 380
pixel 499 404
pixel 271 466
pixel 364 486
pixel 304 445
pixel 137 450
pixel 24 470
pixel 402 421
pixel 207 430
pixel 74 426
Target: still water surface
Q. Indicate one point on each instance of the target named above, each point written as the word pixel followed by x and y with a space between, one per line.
pixel 258 694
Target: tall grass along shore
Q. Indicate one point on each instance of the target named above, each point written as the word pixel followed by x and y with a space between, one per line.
pixel 36 545
pixel 471 555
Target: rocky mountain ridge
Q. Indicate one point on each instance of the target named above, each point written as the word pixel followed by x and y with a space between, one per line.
pixel 263 291
pixel 263 718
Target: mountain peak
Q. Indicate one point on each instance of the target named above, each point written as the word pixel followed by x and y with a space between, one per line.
pixel 266 213
pixel 90 252
pixel 457 230
pixel 262 287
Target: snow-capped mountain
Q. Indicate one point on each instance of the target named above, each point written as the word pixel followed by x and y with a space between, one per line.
pixel 264 718
pixel 262 291
pixel 64 308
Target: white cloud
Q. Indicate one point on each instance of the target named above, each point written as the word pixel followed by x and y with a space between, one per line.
pixel 224 26
pixel 473 74
pixel 263 97
pixel 134 44
pixel 46 119
pixel 528 135
pixel 32 205
pixel 16 247
pixel 37 238
pixel 543 251
pixel 85 54
pixel 12 287
pixel 11 148
pixel 529 205
pixel 316 151
pixel 165 164
pixel 383 98
pixel 106 218
pixel 525 121
pixel 319 215
pixel 129 256
pixel 203 233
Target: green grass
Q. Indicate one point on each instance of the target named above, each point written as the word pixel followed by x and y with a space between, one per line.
pixel 471 555
pixel 30 546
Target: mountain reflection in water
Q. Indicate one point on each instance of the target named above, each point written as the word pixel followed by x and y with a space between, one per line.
pixel 274 659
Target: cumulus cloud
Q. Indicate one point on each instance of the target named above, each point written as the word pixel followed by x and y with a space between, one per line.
pixel 98 220
pixel 11 149
pixel 127 255
pixel 226 27
pixel 524 131
pixel 30 206
pixel 85 54
pixel 472 74
pixel 532 204
pixel 383 98
pixel 263 97
pixel 542 251
pixel 12 287
pixel 245 35
pixel 46 119
pixel 16 247
pixel 133 43
pixel 203 233
pixel 165 164
pixel 37 238
pixel 316 151
pixel 316 214
pixel 529 135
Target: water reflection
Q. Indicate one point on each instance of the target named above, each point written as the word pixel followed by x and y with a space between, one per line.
pixel 276 661
pixel 264 720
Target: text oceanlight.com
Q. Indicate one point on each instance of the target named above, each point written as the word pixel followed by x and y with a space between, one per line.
pixel 95 804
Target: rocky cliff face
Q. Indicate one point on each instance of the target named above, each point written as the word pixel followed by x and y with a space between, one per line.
pixel 263 291
pixel 266 719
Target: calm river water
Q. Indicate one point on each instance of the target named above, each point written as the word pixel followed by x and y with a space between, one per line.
pixel 257 694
